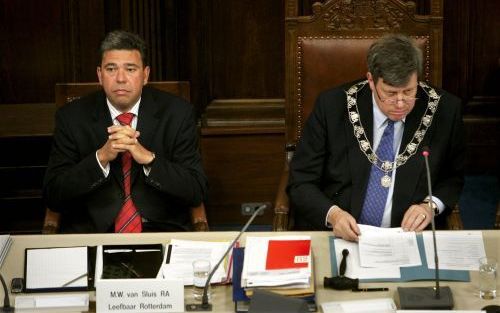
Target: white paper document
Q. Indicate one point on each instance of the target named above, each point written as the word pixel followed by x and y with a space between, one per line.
pixel 56 267
pixel 382 247
pixel 457 250
pixel 383 305
pixel 353 268
pixel 184 252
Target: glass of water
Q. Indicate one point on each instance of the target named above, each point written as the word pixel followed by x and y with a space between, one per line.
pixel 201 270
pixel 487 278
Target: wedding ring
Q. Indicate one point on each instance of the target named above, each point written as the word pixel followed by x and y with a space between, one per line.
pixel 424 216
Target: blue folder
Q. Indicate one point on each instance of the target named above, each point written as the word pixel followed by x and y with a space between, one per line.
pixel 421 272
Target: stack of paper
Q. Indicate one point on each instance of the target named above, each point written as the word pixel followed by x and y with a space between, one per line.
pixel 181 254
pixel 384 254
pixel 283 261
pixel 5 243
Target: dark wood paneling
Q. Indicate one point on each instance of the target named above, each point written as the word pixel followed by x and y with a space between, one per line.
pixel 483 145
pixel 471 70
pixel 472 54
pixel 194 49
pixel 245 112
pixel 31 54
pixel 241 168
pixel 485 55
pixel 247 50
pixel 228 50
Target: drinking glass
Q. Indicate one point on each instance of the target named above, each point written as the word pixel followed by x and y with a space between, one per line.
pixel 487 278
pixel 201 270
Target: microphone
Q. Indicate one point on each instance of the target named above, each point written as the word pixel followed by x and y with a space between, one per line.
pixel 205 306
pixel 6 302
pixel 427 298
pixel 341 282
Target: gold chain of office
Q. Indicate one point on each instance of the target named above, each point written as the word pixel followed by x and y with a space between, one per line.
pixel 411 148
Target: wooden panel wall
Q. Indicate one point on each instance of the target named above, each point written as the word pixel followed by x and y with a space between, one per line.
pixel 471 70
pixel 232 53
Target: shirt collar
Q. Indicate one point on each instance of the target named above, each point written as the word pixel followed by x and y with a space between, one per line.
pixel 379 118
pixel 114 112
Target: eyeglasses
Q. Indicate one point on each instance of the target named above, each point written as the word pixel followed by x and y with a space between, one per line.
pixel 394 99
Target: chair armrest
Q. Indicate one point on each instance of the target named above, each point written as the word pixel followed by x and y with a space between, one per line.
pixel 199 218
pixel 51 222
pixel 454 221
pixel 282 205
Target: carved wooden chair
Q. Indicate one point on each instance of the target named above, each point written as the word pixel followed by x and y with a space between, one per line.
pixel 68 92
pixel 329 48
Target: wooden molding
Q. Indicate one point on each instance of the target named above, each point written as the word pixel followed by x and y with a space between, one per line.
pixel 245 113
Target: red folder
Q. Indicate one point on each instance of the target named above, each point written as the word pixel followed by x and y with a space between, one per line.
pixel 283 254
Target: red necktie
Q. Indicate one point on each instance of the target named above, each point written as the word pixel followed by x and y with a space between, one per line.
pixel 129 219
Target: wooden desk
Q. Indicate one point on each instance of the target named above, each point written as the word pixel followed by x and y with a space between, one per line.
pixel 465 294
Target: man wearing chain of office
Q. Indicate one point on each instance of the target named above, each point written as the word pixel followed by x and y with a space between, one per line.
pixel 359 159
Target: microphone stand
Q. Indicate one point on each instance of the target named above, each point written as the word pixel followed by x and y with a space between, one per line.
pixel 6 302
pixel 205 305
pixel 428 298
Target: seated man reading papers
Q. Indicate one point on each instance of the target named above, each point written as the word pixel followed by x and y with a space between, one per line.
pixel 359 158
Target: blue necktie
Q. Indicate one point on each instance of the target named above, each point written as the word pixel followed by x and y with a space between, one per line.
pixel 376 194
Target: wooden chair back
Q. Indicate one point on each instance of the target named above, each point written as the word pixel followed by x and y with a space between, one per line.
pixel 329 47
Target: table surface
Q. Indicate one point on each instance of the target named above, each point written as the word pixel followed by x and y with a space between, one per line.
pixel 465 294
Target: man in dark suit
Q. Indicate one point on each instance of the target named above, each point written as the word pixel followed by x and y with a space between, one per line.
pixel 125 159
pixel 339 176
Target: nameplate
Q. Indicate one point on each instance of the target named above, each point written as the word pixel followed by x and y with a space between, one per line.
pixel 139 295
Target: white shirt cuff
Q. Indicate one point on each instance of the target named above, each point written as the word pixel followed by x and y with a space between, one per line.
pixel 327 224
pixel 439 204
pixel 105 169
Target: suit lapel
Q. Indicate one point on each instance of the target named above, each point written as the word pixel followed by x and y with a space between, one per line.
pixel 146 124
pixel 359 164
pixel 408 175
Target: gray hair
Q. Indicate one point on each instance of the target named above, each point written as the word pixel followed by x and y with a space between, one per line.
pixel 394 58
pixel 123 40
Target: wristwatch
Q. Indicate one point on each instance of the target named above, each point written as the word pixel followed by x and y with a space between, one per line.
pixel 433 205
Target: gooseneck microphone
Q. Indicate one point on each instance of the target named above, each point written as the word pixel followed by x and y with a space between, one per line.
pixel 426 153
pixel 205 306
pixel 6 302
pixel 431 298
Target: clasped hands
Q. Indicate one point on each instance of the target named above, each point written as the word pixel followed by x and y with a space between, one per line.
pixel 416 218
pixel 121 139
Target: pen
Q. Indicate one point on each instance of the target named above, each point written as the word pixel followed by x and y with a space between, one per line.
pixel 369 289
pixel 74 279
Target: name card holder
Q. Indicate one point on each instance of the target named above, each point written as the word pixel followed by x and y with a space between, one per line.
pixel 136 294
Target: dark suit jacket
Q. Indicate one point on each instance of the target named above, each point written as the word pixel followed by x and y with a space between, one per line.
pixel 329 168
pixel 75 185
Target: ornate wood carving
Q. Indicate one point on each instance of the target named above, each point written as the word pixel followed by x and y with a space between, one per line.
pixel 365 14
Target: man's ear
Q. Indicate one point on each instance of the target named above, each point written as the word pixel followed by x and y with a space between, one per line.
pixel 370 80
pixel 99 74
pixel 146 75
